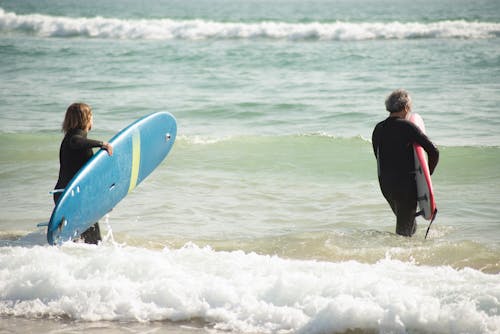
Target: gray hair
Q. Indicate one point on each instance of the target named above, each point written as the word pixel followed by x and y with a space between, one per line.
pixel 398 101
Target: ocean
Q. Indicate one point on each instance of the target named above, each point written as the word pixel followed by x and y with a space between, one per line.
pixel 267 215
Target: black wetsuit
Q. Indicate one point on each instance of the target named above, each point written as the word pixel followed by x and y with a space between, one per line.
pixel 392 141
pixel 75 151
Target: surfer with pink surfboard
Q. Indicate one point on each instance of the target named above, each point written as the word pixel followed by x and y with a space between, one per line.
pixel 401 167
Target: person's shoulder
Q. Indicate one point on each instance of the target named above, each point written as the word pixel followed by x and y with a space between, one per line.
pixel 411 124
pixel 76 132
pixel 380 124
pixel 378 129
pixel 409 127
pixel 75 135
pixel 405 122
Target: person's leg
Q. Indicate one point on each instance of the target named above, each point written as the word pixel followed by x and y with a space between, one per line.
pixel 404 206
pixel 92 235
pixel 406 224
pixel 56 197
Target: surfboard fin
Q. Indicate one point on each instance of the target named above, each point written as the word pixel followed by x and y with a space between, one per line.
pixel 433 217
pixel 62 224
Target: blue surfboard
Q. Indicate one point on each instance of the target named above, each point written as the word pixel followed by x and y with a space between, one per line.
pixel 105 180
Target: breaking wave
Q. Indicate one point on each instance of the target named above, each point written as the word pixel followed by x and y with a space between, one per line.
pixel 244 292
pixel 197 29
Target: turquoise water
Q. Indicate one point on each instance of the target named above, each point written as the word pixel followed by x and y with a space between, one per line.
pixel 266 217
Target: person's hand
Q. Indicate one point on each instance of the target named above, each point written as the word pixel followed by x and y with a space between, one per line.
pixel 108 148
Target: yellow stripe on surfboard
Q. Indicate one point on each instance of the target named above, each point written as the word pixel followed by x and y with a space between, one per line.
pixel 136 160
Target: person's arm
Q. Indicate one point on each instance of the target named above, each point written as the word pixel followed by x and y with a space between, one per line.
pixel 375 140
pixel 81 142
pixel 429 147
pixel 433 156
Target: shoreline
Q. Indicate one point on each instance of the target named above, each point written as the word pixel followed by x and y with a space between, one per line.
pixel 13 324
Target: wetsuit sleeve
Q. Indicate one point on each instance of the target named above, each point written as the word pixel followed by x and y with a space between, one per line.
pixel 431 149
pixel 80 142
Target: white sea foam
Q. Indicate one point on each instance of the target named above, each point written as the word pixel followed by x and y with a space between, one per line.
pixel 245 292
pixel 202 140
pixel 99 27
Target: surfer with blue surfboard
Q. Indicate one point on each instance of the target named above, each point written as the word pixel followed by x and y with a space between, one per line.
pixel 95 183
pixel 394 140
pixel 75 151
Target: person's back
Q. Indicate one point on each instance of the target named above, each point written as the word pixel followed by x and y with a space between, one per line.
pixel 74 152
pixel 392 141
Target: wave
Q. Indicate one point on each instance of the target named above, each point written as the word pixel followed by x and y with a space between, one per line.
pixel 165 29
pixel 243 292
pixel 318 158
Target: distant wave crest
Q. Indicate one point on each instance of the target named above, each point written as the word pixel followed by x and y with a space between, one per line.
pixel 112 28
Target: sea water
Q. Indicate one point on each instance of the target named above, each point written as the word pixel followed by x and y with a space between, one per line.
pixel 267 216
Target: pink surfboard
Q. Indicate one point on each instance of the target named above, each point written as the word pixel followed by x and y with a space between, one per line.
pixel 425 193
